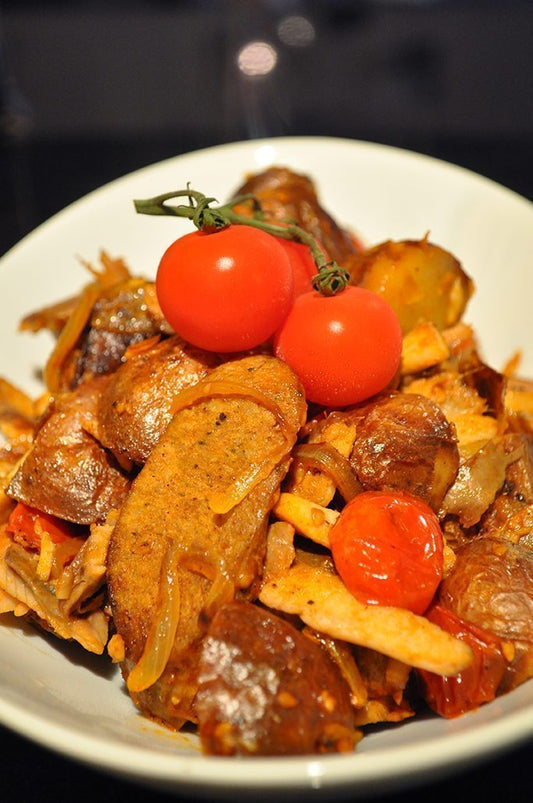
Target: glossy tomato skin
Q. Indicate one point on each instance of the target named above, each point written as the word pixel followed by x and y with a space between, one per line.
pixel 478 683
pixel 225 291
pixel 388 549
pixel 344 348
pixel 30 523
pixel 302 264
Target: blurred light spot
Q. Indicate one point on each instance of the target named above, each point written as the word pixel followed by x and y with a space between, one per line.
pixel 336 327
pixel 257 58
pixel 225 263
pixel 296 31
pixel 264 155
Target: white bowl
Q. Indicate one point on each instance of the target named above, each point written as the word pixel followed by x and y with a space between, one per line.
pixel 75 704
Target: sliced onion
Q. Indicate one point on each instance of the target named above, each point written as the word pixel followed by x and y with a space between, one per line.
pixel 280 551
pixel 224 501
pixel 341 654
pixel 213 568
pixel 114 270
pixel 160 640
pixel 69 336
pixel 326 458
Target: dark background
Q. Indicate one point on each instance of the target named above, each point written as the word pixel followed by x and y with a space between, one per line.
pixel 92 90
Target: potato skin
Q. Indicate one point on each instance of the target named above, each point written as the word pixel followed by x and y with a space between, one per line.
pixel 136 405
pixel 491 586
pixel 68 473
pixel 420 280
pixel 404 442
pixel 266 689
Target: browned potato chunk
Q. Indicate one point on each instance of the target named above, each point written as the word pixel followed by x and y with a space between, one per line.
pixel 266 689
pixel 492 586
pixel 136 405
pixel 421 281
pixel 405 442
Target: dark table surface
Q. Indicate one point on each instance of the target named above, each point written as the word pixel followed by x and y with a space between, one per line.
pixel 38 179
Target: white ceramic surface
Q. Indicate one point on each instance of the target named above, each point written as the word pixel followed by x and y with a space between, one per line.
pixel 74 703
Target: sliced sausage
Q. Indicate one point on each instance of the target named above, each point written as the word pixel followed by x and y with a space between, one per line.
pixel 241 422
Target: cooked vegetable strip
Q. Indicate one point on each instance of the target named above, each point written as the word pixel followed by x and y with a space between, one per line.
pixel 69 336
pixel 336 432
pixel 326 458
pixel 309 519
pixel 19 578
pixel 280 551
pixel 14 400
pixel 323 602
pixel 423 347
pixel 161 637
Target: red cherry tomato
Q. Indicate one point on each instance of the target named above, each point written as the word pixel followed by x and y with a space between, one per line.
pixel 387 548
pixel 477 684
pixel 31 523
pixel 302 264
pixel 225 291
pixel 344 348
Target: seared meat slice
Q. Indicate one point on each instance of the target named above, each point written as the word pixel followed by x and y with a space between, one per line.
pixel 266 689
pixel 193 529
pixel 288 196
pixel 135 405
pixel 66 472
pixel 404 442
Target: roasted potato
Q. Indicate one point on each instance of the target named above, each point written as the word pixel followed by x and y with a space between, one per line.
pixel 420 280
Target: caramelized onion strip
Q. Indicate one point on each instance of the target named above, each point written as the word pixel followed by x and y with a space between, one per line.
pixel 224 501
pixel 160 640
pixel 326 458
pixel 69 336
pixel 214 569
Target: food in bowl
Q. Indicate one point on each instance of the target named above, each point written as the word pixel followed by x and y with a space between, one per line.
pixel 279 567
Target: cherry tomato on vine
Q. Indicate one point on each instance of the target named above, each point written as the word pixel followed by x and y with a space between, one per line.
pixel 478 683
pixel 303 265
pixel 225 291
pixel 344 348
pixel 387 548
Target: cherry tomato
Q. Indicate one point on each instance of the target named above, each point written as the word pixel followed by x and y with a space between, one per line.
pixel 30 523
pixel 344 348
pixel 387 548
pixel 302 264
pixel 477 684
pixel 225 291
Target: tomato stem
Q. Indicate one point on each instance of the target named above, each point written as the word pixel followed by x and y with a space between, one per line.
pixel 330 278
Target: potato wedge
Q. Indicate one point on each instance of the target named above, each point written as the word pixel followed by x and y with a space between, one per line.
pixel 308 519
pixel 323 602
